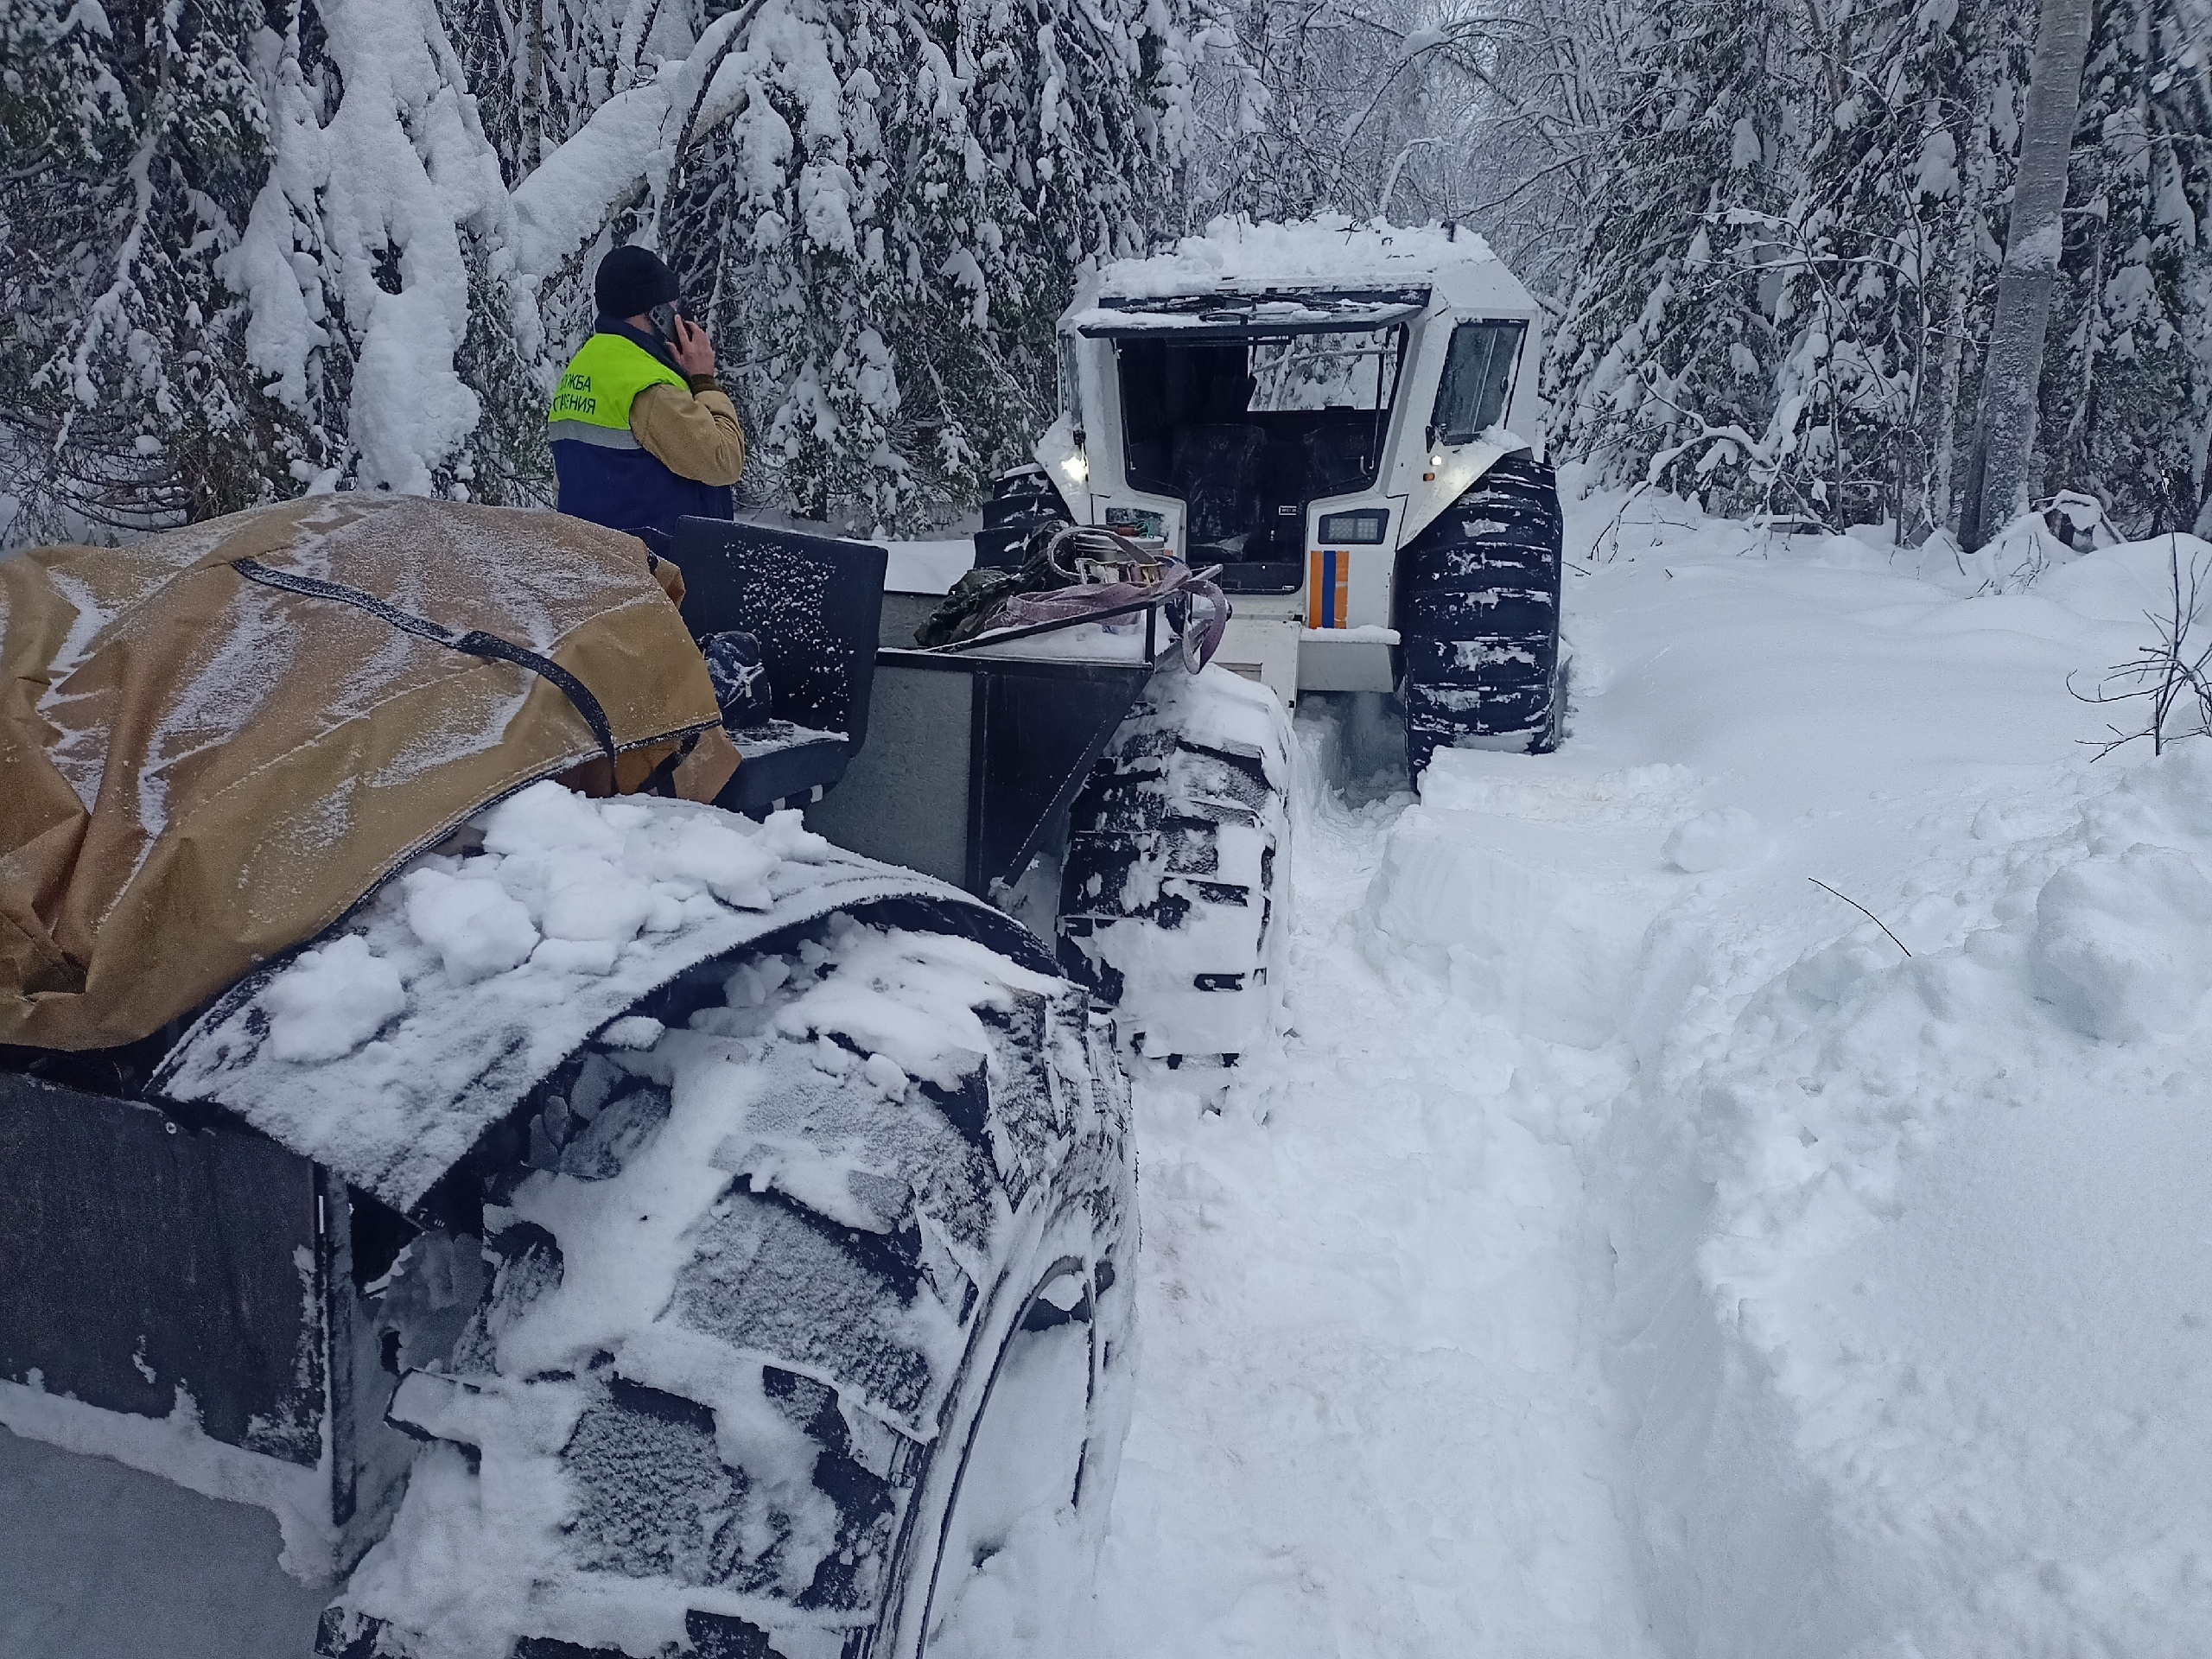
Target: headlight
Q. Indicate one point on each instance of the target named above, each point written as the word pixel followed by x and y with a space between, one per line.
pixel 1079 466
pixel 1361 529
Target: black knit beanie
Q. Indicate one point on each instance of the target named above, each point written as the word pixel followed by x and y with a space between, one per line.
pixel 632 281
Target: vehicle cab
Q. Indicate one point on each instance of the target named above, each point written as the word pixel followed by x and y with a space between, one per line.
pixel 1293 403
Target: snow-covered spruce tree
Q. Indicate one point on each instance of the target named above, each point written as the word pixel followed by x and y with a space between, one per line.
pixel 1315 105
pixel 1534 92
pixel 1876 256
pixel 1867 262
pixel 131 140
pixel 1885 261
pixel 386 312
pixel 1073 133
pixel 539 68
pixel 1490 113
pixel 2127 393
pixel 1064 154
pixel 1666 356
pixel 251 252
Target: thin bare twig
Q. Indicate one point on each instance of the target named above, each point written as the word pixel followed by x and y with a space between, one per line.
pixel 1862 909
pixel 2174 664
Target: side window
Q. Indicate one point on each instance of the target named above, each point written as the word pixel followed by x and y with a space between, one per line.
pixel 1478 379
pixel 1070 383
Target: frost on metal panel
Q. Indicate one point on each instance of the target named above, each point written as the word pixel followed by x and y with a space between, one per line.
pixel 788 598
pixel 178 1448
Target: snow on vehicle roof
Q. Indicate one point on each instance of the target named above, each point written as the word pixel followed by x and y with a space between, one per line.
pixel 1329 251
pixel 1238 256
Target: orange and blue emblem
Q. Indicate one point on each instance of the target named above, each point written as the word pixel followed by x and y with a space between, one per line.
pixel 1327 589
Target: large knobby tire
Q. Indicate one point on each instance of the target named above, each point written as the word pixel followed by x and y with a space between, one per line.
pixel 1479 608
pixel 785 1344
pixel 1173 891
pixel 1021 501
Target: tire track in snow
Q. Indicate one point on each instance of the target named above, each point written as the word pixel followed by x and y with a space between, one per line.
pixel 1370 1419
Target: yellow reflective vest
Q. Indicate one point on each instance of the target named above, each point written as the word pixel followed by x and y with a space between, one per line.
pixel 603 379
pixel 606 474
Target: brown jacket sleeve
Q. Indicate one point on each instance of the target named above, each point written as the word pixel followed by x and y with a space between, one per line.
pixel 693 434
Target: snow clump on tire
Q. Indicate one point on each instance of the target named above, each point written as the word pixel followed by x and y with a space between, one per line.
pixel 1172 904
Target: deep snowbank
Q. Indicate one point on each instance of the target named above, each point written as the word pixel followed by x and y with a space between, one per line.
pixel 1949 1270
pixel 1911 1291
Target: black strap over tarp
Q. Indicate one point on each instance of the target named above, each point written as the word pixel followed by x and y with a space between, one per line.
pixel 474 642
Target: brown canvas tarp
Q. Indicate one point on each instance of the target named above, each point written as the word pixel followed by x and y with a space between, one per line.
pixel 201 763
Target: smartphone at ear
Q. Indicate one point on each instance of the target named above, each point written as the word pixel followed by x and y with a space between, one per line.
pixel 664 316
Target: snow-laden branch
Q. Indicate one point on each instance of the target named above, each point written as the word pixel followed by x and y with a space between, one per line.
pixel 107 313
pixel 566 201
pixel 400 184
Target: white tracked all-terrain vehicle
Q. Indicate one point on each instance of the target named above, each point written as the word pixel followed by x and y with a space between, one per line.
pixel 1345 419
pixel 1340 424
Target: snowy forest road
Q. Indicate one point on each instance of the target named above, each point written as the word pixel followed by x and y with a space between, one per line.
pixel 1370 1418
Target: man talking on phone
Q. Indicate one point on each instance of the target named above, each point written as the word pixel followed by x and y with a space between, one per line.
pixel 642 435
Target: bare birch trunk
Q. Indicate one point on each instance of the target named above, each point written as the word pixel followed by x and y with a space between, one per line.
pixel 533 85
pixel 2005 424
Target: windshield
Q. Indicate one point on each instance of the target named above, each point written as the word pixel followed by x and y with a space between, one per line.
pixel 1248 430
pixel 1326 371
pixel 1322 399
